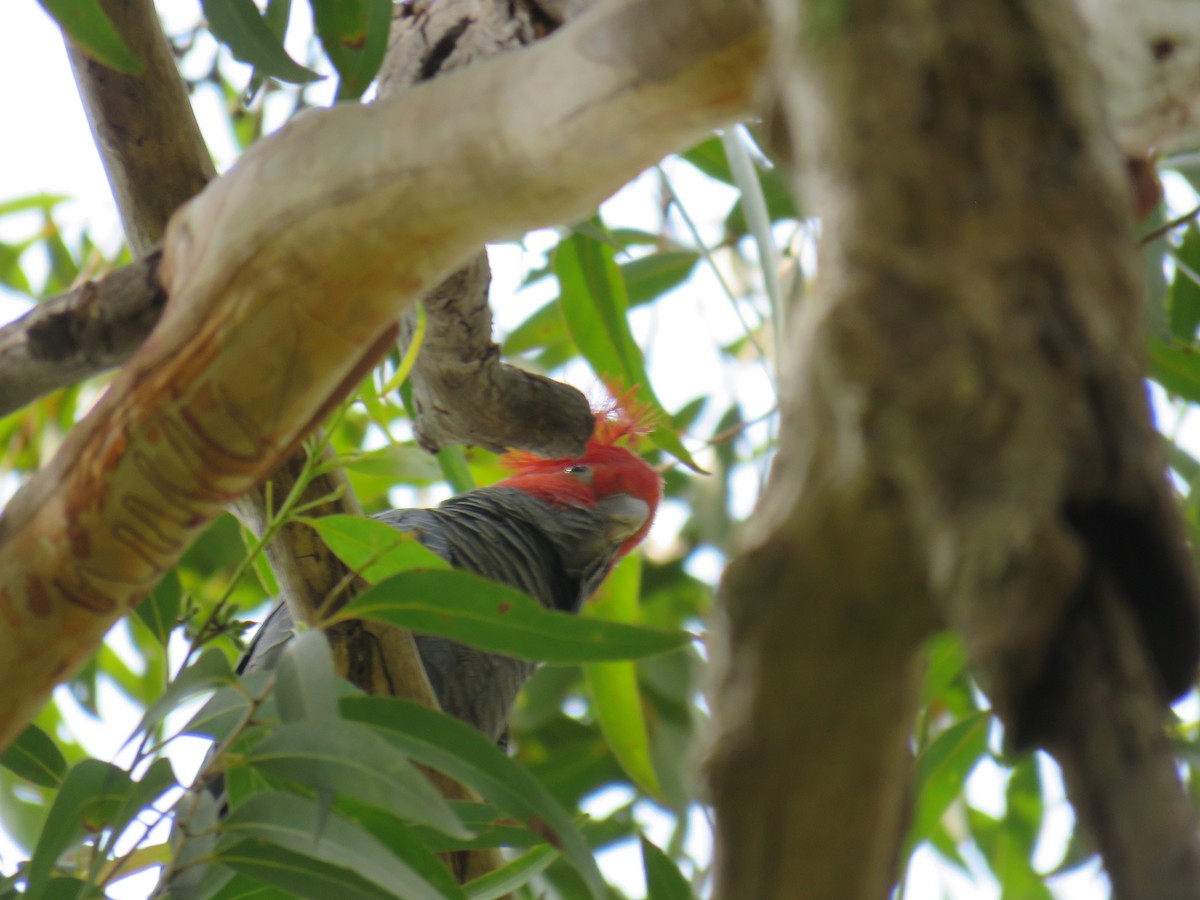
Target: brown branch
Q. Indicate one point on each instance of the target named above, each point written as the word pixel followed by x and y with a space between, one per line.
pixel 143 126
pixel 1118 767
pixel 462 392
pixel 94 327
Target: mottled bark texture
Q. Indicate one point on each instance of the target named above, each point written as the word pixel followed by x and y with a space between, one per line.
pixel 965 438
pixel 462 393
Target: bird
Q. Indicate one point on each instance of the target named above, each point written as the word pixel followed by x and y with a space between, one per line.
pixel 554 529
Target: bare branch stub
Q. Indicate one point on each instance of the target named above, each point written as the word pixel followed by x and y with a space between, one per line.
pixel 90 329
pixel 462 391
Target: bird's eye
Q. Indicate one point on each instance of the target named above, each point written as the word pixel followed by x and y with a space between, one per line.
pixel 583 473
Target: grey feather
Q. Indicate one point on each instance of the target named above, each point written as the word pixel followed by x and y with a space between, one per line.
pixel 557 556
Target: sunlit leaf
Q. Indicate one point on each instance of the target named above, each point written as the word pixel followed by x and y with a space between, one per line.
pixel 298 824
pixel 613 686
pixel 495 617
pixel 466 755
pixel 354 35
pixel 35 756
pixel 942 769
pixel 89 27
pixel 352 760
pixel 374 549
pixel 239 25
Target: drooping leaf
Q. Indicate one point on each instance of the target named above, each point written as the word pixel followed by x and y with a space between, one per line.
pixel 354 35
pixel 1176 369
pixel 306 685
pixel 374 549
pixel 298 824
pixel 512 875
pixel 35 756
pixel 239 25
pixel 1183 297
pixel 466 755
pixel 942 769
pixel 613 686
pixel 91 791
pixel 664 881
pixel 89 27
pixel 160 611
pixel 298 874
pixel 211 670
pixel 595 306
pixel 352 760
pixel 494 617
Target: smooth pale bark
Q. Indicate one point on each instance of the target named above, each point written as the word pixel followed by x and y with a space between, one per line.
pixel 286 276
pixel 1145 51
pixel 965 437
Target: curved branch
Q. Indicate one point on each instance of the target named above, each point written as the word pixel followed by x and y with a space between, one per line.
pixel 286 277
pixel 462 392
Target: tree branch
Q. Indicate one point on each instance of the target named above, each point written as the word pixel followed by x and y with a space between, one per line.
pixel 94 327
pixel 964 412
pixel 462 392
pixel 286 276
pixel 143 126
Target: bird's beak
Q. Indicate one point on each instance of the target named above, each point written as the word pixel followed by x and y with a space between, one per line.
pixel 625 515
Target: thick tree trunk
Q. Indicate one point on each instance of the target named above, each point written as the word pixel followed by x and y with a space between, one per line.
pixel 965 430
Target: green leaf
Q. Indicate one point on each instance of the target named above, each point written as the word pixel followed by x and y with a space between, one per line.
pixel 298 874
pixel 300 825
pixel 354 35
pixel 942 769
pixel 239 26
pixel 413 844
pixel 501 619
pixel 306 686
pixel 374 549
pixel 1183 297
pixel 160 611
pixel 595 306
pixel 453 747
pixel 89 27
pixel 664 881
pixel 1176 369
pixel 352 760
pixel 512 875
pixel 35 756
pixel 158 778
pixel 649 277
pixel 90 792
pixel 211 670
pixel 613 686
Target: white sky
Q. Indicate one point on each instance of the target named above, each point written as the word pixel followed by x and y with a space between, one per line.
pixel 56 156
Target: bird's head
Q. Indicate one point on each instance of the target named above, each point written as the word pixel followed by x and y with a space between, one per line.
pixel 607 469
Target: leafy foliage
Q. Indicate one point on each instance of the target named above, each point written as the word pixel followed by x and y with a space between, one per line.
pixel 321 781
